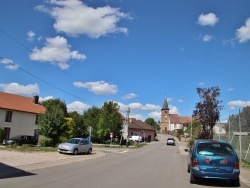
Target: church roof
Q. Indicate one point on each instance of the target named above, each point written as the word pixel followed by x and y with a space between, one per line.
pixel 165 105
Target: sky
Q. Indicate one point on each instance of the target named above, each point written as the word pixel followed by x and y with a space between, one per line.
pixel 132 52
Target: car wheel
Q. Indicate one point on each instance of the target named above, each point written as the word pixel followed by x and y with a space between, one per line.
pixel 188 169
pixel 192 178
pixel 235 182
pixel 75 152
pixel 89 151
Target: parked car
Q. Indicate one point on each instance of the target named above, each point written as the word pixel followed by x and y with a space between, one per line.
pixel 171 141
pixel 135 138
pixel 75 146
pixel 213 159
pixel 20 140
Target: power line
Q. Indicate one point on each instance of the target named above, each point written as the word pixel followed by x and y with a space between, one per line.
pixel 52 85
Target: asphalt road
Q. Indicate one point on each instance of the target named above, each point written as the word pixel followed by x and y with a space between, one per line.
pixel 155 165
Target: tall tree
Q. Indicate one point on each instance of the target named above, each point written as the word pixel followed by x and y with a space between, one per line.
pixel 110 121
pixel 52 124
pixel 207 111
pixel 80 126
pixel 91 118
pixel 151 122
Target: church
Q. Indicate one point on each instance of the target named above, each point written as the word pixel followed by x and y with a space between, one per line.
pixel 172 122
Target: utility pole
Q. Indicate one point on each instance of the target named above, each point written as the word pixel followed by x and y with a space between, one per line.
pixel 127 118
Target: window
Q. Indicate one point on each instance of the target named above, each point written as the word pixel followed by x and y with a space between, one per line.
pixel 8 116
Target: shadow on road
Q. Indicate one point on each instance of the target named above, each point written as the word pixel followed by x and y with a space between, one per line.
pixel 215 183
pixel 7 171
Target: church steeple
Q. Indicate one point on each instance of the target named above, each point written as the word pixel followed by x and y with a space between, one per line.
pixel 165 105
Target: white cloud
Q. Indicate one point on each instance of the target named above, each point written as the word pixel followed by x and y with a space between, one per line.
pixel 129 96
pixel 201 83
pixel 207 38
pixel 31 36
pixel 173 109
pixel 93 22
pixel 15 88
pixel 243 33
pixel 155 115
pixel 151 107
pixel 137 117
pixel 56 51
pixel 8 64
pixel 238 104
pixel 231 89
pixel 77 106
pixel 99 87
pixel 41 99
pixel 209 19
pixel 180 101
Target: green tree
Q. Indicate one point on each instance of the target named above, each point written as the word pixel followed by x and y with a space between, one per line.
pixel 151 122
pixel 52 124
pixel 91 118
pixel 109 121
pixel 207 111
pixel 80 126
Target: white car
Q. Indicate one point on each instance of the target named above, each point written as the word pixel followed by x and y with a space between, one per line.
pixel 75 146
pixel 171 141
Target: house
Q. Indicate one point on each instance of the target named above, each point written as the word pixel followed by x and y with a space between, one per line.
pixel 137 128
pixel 18 114
pixel 172 122
pixel 219 128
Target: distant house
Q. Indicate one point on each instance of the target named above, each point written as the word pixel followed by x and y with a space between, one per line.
pixel 172 122
pixel 138 128
pixel 18 114
pixel 219 128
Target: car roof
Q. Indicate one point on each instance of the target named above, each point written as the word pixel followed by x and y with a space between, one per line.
pixel 209 141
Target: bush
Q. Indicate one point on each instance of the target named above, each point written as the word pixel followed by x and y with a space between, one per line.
pixel 45 142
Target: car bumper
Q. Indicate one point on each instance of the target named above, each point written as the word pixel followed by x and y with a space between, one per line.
pixel 65 151
pixel 213 175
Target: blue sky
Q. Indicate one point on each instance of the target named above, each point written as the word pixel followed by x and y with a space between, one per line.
pixel 133 52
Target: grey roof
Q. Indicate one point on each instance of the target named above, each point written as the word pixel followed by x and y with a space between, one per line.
pixel 165 105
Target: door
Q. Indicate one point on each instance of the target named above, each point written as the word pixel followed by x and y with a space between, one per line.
pixel 6 133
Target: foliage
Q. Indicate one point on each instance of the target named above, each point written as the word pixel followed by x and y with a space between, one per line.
pixel 1 135
pixel 207 110
pixel 243 118
pixel 109 121
pixel 196 129
pixel 91 118
pixel 80 129
pixel 52 124
pixel 151 122
pixel 45 142
pixel 70 130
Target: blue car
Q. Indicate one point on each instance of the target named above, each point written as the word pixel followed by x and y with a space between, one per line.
pixel 213 159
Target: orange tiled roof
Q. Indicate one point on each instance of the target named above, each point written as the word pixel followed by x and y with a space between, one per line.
pixel 20 103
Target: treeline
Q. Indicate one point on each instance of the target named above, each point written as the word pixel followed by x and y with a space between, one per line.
pixel 57 125
pixel 242 118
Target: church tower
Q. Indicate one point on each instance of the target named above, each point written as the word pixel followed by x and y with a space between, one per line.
pixel 165 116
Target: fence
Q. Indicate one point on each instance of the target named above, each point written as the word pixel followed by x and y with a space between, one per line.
pixel 235 141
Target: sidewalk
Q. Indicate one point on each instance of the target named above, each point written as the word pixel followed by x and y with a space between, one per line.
pixel 244 173
pixel 7 171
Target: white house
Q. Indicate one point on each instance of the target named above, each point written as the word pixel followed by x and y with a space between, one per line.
pixel 18 114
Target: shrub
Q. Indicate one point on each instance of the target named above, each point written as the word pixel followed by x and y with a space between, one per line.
pixel 45 142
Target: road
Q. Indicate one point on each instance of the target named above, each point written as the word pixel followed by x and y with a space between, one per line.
pixel 155 165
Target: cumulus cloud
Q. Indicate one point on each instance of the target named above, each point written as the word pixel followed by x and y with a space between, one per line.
pixel 243 33
pixel 231 89
pixel 209 19
pixel 15 88
pixel 99 87
pixel 41 99
pixel 238 104
pixel 201 83
pixel 31 36
pixel 129 96
pixel 155 114
pixel 56 51
pixel 207 38
pixel 9 64
pixel 93 22
pixel 78 107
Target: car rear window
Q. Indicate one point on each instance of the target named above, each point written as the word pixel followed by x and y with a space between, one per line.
pixel 222 149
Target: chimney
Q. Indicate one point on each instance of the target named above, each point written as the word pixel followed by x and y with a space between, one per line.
pixel 36 99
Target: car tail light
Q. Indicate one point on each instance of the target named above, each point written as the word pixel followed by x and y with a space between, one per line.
pixel 195 162
pixel 236 164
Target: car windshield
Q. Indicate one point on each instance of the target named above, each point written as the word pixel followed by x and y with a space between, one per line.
pixel 73 141
pixel 222 149
pixel 14 138
pixel 170 139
